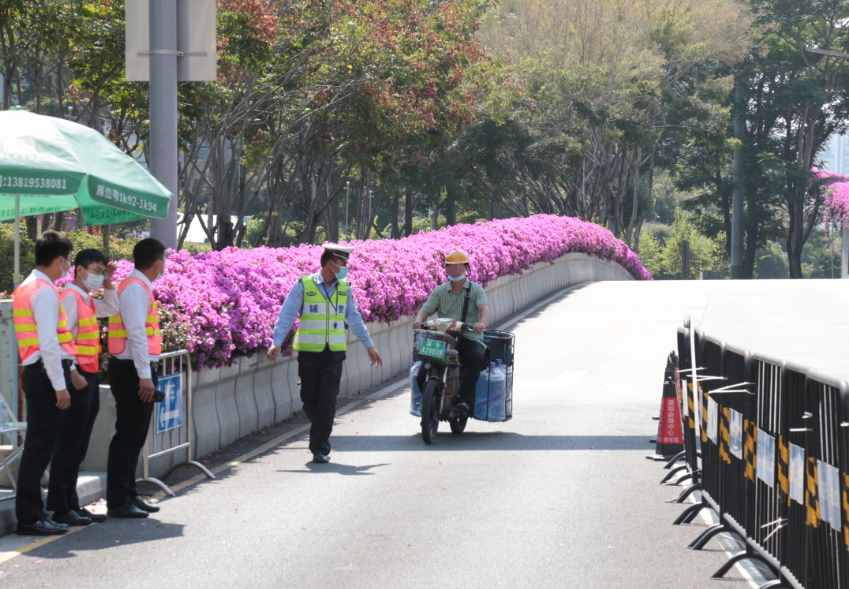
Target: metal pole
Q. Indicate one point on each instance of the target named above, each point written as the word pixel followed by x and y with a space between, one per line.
pixel 163 111
pixel 844 257
pixel 17 274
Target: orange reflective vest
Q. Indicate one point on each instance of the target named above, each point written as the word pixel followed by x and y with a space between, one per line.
pixel 25 327
pixel 118 332
pixel 88 332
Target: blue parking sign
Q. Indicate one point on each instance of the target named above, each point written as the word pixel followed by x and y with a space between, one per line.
pixel 169 412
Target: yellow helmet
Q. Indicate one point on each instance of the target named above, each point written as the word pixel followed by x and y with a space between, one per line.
pixel 457 257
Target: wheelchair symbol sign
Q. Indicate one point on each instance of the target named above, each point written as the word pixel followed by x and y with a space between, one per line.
pixel 169 412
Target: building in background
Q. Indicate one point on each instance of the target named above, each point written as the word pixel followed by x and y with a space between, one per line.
pixel 835 155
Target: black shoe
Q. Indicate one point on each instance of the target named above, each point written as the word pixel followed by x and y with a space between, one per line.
pixel 325 448
pixel 129 511
pixel 42 527
pixel 72 518
pixel 95 517
pixel 49 519
pixel 319 458
pixel 138 502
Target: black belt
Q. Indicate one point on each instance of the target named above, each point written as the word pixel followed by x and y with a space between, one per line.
pixel 40 364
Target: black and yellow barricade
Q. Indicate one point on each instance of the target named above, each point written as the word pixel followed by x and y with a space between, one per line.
pixel 686 391
pixel 704 378
pixel 754 499
pixel 792 532
pixel 767 444
pixel 823 430
pixel 727 408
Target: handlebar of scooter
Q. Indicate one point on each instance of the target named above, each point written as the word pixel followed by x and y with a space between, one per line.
pixel 457 328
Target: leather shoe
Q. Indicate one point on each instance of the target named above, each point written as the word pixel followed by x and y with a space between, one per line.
pixel 42 527
pixel 129 511
pixel 138 502
pixel 319 458
pixel 95 517
pixel 71 518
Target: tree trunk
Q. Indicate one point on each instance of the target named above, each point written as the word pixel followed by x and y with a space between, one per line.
pixel 8 79
pixel 795 238
pixel 408 212
pixel 737 213
pixel 59 221
pixel 450 205
pixel 396 208
pixel 106 234
pixel 332 217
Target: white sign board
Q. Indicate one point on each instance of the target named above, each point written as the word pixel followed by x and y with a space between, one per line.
pixel 196 39
pixel 766 458
pixel 797 474
pixel 713 420
pixel 829 494
pixel 735 434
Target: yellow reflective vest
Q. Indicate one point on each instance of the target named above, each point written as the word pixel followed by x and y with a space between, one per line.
pixel 322 321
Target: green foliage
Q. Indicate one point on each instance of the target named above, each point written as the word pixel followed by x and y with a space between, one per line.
pixel 664 256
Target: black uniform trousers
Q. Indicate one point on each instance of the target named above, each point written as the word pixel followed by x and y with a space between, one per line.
pixel 472 361
pixel 44 420
pixel 320 374
pixel 75 432
pixel 131 426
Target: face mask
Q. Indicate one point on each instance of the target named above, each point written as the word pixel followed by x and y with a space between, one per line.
pixel 93 281
pixel 342 274
pixel 459 278
pixel 160 273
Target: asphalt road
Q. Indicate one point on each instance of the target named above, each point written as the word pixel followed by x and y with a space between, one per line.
pixel 561 496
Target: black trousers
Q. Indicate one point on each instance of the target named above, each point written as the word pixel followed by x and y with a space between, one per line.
pixel 320 374
pixel 75 429
pixel 472 361
pixel 131 426
pixel 44 420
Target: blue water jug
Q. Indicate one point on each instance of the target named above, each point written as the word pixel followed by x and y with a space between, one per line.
pixel 491 393
pixel 415 391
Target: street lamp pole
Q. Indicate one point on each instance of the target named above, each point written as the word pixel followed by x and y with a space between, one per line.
pixel 844 250
pixel 163 111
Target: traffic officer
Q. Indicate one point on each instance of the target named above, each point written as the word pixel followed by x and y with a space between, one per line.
pixel 43 336
pixel 135 343
pixel 327 307
pixel 89 297
pixel 462 300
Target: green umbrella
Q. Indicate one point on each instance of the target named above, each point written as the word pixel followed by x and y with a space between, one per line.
pixel 48 165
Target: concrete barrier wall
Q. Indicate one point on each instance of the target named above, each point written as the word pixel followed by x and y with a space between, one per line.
pixel 234 401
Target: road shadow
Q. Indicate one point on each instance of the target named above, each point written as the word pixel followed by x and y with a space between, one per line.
pixel 336 468
pixel 110 534
pixel 489 441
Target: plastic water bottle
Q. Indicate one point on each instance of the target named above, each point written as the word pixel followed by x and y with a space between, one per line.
pixel 415 391
pixel 497 392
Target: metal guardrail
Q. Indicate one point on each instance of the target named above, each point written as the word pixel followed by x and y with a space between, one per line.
pixel 172 429
pixel 8 358
pixel 767 445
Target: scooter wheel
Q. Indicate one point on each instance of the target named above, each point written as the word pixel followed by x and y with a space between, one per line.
pixel 458 424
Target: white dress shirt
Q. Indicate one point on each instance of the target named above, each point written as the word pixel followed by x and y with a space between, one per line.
pixel 45 312
pixel 134 305
pixel 102 308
